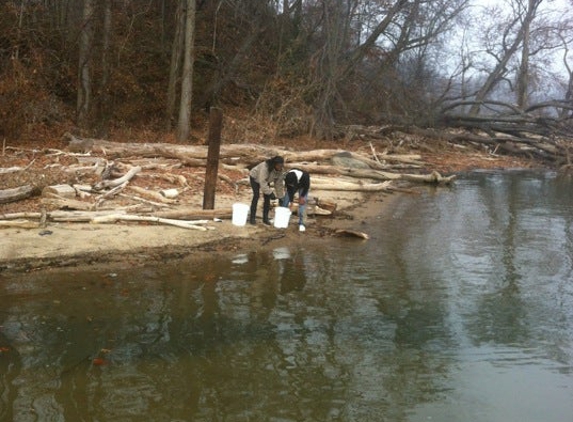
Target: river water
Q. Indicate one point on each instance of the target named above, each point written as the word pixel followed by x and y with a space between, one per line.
pixel 459 308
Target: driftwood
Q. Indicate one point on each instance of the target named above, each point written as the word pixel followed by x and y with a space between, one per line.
pixel 15 194
pixel 20 224
pixel 116 182
pixel 434 177
pixel 151 195
pixel 56 201
pixel 88 201
pixel 11 170
pixel 183 153
pixel 190 213
pixel 192 225
pixel 17 219
pixel 328 184
pixel 351 233
pixel 64 191
pixel 196 155
pixel 143 200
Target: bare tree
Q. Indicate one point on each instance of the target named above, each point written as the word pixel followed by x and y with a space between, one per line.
pixel 388 31
pixel 84 96
pixel 515 36
pixel 568 97
pixel 183 125
pixel 176 61
pixel 104 98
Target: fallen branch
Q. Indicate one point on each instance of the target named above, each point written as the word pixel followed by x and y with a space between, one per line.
pixel 143 200
pixel 193 225
pixel 116 182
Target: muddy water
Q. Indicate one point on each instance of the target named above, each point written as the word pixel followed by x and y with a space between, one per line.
pixel 459 308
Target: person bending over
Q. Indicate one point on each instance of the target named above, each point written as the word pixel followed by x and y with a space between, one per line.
pixel 297 181
pixel 262 176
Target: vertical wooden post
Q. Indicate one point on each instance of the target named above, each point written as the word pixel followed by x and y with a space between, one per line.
pixel 214 148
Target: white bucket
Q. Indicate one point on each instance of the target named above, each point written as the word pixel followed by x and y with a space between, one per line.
pixel 240 212
pixel 282 216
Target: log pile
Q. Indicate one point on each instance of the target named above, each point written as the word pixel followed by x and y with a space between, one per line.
pixel 153 183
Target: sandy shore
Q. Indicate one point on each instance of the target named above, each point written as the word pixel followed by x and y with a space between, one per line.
pixel 78 244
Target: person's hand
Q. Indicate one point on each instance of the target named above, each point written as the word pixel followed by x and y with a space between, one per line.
pixel 301 201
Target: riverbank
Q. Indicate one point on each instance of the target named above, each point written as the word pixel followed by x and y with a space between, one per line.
pixel 75 244
pixel 81 244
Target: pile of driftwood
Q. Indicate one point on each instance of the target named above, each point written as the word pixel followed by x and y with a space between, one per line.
pixel 104 172
pixel 515 132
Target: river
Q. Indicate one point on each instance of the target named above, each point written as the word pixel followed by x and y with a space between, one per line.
pixel 459 308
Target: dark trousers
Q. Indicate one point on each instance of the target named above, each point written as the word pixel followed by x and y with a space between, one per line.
pixel 255 201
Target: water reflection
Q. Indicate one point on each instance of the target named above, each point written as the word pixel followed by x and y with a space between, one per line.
pixel 459 308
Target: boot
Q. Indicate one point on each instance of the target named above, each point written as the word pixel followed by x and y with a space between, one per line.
pixel 266 209
pixel 253 214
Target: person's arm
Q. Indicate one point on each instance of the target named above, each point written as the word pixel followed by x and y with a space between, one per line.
pixel 290 192
pixel 264 180
pixel 279 183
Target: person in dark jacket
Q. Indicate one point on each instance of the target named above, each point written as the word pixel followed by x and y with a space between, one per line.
pixel 268 178
pixel 297 181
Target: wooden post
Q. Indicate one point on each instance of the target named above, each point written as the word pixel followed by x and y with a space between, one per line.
pixel 214 148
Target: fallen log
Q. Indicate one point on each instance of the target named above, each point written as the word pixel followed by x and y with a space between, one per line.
pixel 64 191
pixel 66 203
pixel 433 177
pixel 113 218
pixel 15 194
pixel 191 213
pixel 80 216
pixel 20 215
pixel 196 155
pixel 152 195
pixel 19 224
pixel 11 170
pixel 181 152
pixel 347 186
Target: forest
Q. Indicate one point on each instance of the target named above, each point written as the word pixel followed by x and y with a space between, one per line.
pixel 494 73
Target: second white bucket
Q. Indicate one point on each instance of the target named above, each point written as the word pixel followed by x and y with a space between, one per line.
pixel 282 216
pixel 240 212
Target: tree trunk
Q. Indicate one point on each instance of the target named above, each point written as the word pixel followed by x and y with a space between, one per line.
pixel 522 83
pixel 104 104
pixel 501 68
pixel 84 67
pixel 174 68
pixel 183 127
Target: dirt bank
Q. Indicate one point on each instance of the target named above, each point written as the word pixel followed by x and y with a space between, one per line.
pixel 78 244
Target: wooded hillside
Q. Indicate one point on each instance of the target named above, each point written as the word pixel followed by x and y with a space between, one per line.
pixel 149 71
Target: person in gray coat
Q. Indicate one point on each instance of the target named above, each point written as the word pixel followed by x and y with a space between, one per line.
pixel 264 177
